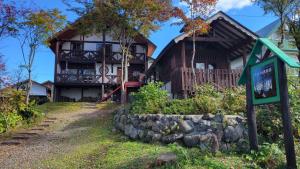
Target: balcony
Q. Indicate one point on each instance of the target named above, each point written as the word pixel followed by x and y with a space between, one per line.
pixel 77 79
pixel 220 78
pixel 92 51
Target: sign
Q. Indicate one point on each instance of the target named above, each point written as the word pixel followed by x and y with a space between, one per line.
pixel 264 82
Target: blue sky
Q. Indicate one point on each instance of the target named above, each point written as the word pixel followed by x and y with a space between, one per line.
pixel 243 11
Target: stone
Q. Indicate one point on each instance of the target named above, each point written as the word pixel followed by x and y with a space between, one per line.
pixel 142 133
pixel 171 138
pixel 156 126
pixel 230 134
pixel 166 158
pixel 239 130
pixel 207 116
pixel 193 139
pixel 218 118
pixel 186 126
pixel 195 118
pixel 156 137
pixel 131 132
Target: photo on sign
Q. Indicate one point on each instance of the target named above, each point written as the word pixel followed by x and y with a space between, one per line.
pixel 264 81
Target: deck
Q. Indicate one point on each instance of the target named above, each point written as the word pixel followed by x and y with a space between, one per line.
pixel 220 78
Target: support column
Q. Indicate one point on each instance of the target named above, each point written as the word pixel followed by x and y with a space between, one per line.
pixel 103 64
pixel 183 60
pixel 251 116
pixel 286 117
pixel 244 57
pixel 57 44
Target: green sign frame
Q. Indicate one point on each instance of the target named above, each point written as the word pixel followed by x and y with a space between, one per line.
pixel 265 82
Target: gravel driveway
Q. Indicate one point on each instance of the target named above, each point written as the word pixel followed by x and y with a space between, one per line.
pixel 49 138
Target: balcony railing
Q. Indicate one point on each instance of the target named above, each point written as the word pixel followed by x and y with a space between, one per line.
pixel 86 79
pixel 73 55
pixel 91 51
pixel 92 56
pixel 220 78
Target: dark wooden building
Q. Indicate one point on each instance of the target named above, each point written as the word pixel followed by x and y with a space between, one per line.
pixel 84 73
pixel 220 57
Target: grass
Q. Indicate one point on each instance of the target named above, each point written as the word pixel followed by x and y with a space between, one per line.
pixel 100 147
pixel 54 107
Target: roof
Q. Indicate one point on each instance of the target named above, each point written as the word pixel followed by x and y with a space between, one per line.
pixel 23 82
pixel 268 30
pixel 210 20
pixel 274 49
pixel 69 31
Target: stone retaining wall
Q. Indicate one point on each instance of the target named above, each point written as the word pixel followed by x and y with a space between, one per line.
pixel 209 132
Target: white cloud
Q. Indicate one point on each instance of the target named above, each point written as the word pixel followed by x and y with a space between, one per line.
pixel 226 5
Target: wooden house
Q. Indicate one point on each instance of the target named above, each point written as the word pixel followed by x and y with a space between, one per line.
pixel 84 73
pixel 220 57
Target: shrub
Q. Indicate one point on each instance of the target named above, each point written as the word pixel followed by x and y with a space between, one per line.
pixel 13 109
pixel 234 100
pixel 30 113
pixel 206 104
pixel 269 123
pixel 207 90
pixel 269 156
pixel 149 99
pixel 294 94
pixel 184 106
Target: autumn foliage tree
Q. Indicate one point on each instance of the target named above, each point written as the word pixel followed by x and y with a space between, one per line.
pixel 33 31
pixel 194 21
pixel 10 15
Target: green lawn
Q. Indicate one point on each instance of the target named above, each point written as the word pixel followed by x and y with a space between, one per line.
pixel 54 107
pixel 99 147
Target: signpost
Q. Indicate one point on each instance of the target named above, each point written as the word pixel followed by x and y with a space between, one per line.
pixel 266 83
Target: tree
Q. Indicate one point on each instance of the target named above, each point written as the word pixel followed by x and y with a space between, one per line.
pixel 194 21
pixel 17 76
pixel 281 9
pixel 294 26
pixel 34 31
pixel 2 72
pixel 9 17
pixel 136 18
pixel 127 18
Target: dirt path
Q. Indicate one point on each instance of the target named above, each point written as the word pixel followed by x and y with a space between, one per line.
pixel 27 148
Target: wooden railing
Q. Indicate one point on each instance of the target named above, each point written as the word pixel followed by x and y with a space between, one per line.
pixel 220 78
pixel 86 79
pixel 92 56
pixel 73 55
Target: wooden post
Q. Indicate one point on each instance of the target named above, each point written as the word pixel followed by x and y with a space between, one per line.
pixel 251 116
pixel 103 64
pixel 286 117
pixel 183 61
pixel 244 57
pixel 55 70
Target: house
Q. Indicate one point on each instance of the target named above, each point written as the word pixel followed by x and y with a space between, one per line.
pixel 38 91
pixel 84 73
pixel 49 85
pixel 220 57
pixel 271 32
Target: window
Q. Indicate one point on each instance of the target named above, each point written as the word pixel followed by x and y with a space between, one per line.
pixel 99 46
pixel 211 67
pixel 200 66
pixel 77 46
